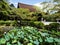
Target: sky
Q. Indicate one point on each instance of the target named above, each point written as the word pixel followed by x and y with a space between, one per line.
pixel 30 2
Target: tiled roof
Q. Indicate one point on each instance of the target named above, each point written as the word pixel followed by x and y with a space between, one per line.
pixel 26 6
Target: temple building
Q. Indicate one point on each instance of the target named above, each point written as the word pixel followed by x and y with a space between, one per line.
pixel 26 6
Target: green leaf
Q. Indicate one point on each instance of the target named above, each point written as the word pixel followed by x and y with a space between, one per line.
pixel 44 34
pixel 31 41
pixel 29 37
pixel 26 39
pixel 11 35
pixel 36 42
pixel 2 41
pixel 15 37
pixel 7 37
pixel 8 43
pixel 14 41
pixel 57 40
pixel 40 39
pixel 19 43
pixel 49 39
pixel 29 44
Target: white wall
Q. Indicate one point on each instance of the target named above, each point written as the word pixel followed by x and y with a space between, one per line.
pixel 47 23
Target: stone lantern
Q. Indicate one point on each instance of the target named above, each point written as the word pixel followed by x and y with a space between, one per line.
pixel 58 19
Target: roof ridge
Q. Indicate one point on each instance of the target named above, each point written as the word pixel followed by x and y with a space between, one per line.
pixel 24 4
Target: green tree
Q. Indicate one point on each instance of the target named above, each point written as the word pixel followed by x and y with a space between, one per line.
pixel 58 1
pixel 12 5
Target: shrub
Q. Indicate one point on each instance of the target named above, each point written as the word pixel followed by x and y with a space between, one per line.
pixel 1 22
pixel 53 26
pixel 4 29
pixel 47 27
pixel 8 23
pixel 14 23
pixel 37 24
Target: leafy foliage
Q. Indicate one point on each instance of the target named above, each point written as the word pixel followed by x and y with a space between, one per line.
pixel 53 26
pixel 37 24
pixel 7 23
pixel 28 36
